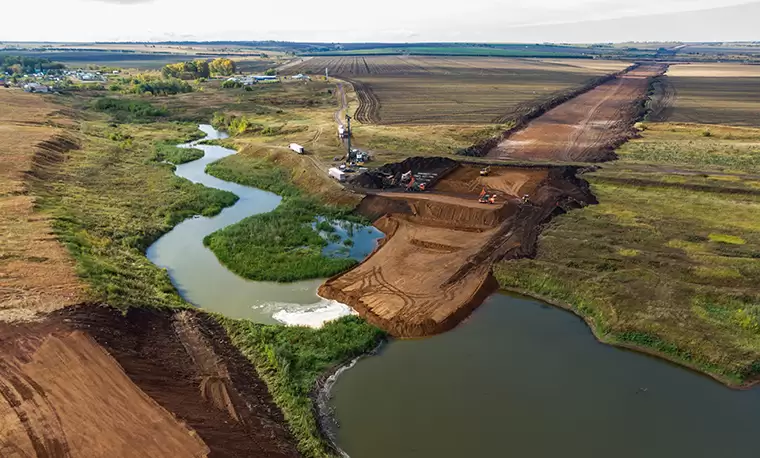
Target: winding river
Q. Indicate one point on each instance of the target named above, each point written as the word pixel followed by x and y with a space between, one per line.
pixel 203 281
pixel 518 378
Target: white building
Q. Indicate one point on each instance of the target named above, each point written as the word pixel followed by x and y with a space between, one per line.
pixel 36 87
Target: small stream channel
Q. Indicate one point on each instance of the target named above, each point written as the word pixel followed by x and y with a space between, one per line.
pixel 202 280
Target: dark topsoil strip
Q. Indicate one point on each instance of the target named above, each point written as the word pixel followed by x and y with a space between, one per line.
pixel 145 344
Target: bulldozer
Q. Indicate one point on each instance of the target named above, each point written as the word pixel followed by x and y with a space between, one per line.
pixel 485 171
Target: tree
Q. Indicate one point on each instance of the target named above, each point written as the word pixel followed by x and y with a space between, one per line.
pixel 222 66
pixel 271 72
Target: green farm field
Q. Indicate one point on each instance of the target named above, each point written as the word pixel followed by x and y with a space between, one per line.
pixel 458 90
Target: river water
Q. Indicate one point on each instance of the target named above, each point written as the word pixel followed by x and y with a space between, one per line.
pixel 202 280
pixel 523 379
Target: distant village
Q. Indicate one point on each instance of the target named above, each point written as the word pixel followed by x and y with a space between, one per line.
pixel 48 81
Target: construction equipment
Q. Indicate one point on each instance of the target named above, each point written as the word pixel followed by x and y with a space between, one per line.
pixel 485 171
pixel 415 186
pixel 486 198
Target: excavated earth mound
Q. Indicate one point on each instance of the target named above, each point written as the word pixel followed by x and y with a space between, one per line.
pixel 434 266
pixel 91 382
pixel 433 168
pixel 587 128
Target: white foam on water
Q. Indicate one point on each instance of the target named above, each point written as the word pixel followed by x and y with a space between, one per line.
pixel 312 315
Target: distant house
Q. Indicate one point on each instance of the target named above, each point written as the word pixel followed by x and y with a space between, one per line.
pixel 36 87
pixel 264 78
pixel 301 76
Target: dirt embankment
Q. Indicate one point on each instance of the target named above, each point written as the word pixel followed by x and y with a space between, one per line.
pixel 587 128
pixel 434 266
pixel 36 273
pixel 91 382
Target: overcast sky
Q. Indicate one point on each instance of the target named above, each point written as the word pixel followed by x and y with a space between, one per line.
pixel 387 20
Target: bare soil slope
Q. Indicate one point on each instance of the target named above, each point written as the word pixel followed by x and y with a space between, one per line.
pixel 434 267
pixel 36 273
pixel 90 382
pixel 585 129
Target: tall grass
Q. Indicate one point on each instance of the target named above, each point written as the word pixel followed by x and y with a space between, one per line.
pixel 280 245
pixel 110 201
pixel 291 359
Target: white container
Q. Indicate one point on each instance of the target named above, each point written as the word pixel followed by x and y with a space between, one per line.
pixel 337 174
pixel 297 148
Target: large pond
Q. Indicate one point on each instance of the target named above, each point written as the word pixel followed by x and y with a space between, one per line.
pixel 522 379
pixel 204 281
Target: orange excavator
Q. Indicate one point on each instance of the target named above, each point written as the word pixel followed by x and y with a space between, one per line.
pixel 486 198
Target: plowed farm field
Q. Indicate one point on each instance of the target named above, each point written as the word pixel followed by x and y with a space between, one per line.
pixel 434 90
pixel 714 94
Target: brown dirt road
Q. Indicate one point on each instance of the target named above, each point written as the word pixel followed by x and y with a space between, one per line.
pixel 585 129
pixel 434 266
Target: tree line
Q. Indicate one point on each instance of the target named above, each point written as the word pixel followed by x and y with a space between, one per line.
pixel 19 65
pixel 195 69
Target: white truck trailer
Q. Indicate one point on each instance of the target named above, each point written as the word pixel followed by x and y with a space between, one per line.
pixel 337 173
pixel 297 148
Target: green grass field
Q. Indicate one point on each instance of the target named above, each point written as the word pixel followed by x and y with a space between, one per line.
pixel 668 260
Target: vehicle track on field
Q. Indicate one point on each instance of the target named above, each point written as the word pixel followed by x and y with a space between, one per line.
pixel 368 111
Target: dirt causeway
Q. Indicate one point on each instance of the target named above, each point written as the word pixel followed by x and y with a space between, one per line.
pixel 434 266
pixel 91 382
pixel 587 128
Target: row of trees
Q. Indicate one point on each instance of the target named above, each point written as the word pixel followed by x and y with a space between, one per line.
pixel 19 65
pixel 199 69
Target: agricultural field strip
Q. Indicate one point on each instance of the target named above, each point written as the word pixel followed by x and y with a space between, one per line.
pixel 402 89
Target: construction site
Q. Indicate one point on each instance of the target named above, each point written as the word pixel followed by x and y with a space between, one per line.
pixel 446 223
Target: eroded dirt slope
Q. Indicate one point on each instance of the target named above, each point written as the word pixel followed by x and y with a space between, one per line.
pixel 587 128
pixel 36 273
pixel 434 266
pixel 91 382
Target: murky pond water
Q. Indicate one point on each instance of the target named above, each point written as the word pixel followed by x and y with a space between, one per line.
pixel 205 282
pixel 522 379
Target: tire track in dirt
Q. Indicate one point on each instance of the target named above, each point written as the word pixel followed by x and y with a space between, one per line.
pixel 91 382
pixel 434 266
pixel 368 111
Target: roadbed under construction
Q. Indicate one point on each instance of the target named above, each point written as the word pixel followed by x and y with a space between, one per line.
pixel 434 266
